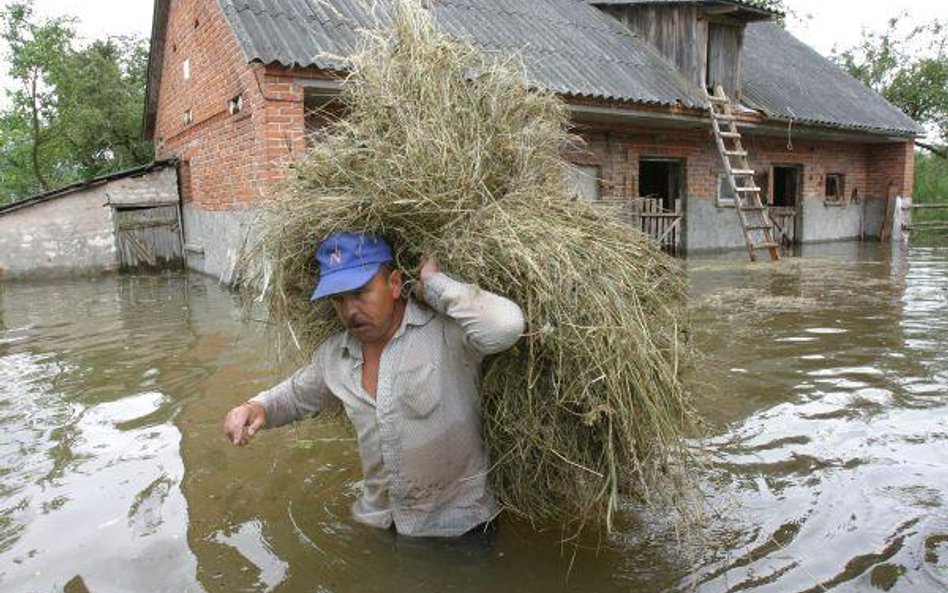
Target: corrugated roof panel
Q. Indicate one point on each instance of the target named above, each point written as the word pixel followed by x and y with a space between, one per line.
pixel 578 49
pixel 572 48
pixel 787 79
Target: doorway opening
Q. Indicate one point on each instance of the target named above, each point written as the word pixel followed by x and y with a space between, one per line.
pixel 662 179
pixel 786 186
pixel 786 204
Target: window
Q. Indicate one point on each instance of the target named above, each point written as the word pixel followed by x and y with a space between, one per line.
pixel 188 117
pixel 835 192
pixel 585 181
pixel 186 69
pixel 235 105
pixel 725 195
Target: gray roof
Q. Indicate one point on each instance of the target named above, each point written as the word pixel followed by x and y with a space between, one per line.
pixel 787 79
pixel 574 49
pixel 569 47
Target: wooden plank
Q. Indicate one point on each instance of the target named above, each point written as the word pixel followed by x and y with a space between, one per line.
pixel 925 206
pixel 146 224
pixel 149 236
pixel 926 224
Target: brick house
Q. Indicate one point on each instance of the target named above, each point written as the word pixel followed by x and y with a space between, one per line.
pixel 231 84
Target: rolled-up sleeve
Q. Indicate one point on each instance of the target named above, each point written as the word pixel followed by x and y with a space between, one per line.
pixel 300 396
pixel 490 322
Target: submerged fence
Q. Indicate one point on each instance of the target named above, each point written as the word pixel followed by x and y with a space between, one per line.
pixel 939 207
pixel 651 217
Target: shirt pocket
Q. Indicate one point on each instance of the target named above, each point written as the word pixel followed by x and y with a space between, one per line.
pixel 419 392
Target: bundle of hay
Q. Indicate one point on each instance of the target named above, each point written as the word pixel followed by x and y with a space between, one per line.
pixel 446 152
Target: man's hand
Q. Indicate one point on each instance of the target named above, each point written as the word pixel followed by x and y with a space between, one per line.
pixel 243 422
pixel 426 269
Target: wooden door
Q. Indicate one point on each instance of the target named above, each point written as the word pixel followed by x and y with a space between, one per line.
pixel 724 58
pixel 786 202
pixel 149 237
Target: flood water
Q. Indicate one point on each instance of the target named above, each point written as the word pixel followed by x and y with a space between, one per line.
pixel 823 380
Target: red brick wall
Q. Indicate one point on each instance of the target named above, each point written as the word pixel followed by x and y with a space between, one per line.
pixel 230 159
pixel 869 168
pixel 893 169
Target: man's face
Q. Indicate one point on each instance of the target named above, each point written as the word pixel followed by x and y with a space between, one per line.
pixel 371 312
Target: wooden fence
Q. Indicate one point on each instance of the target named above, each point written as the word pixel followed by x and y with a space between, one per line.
pixel 929 225
pixel 785 222
pixel 649 216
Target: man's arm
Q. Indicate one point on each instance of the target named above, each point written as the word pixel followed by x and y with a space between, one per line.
pixel 491 323
pixel 302 395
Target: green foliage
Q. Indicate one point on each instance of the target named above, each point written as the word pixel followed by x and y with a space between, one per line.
pixel 931 187
pixel 931 179
pixel 914 81
pixel 75 112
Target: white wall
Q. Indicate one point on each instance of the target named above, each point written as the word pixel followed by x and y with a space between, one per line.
pixel 73 233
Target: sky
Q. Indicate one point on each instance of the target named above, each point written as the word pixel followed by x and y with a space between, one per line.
pixel 822 24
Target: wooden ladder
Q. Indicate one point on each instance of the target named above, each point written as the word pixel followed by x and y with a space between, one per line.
pixel 756 225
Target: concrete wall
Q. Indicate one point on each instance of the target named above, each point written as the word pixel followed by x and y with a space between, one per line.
pixel 712 228
pixel 69 235
pixel 822 222
pixel 213 240
pixel 159 186
pixel 73 233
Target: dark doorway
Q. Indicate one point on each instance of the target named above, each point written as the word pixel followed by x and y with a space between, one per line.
pixel 786 186
pixel 661 179
pixel 786 203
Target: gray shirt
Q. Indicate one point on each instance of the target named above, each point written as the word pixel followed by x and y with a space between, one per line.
pixel 424 460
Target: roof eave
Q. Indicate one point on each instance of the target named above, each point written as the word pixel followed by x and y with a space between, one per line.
pixel 682 116
pixel 156 55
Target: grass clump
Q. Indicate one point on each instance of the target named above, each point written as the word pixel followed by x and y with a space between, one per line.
pixel 448 152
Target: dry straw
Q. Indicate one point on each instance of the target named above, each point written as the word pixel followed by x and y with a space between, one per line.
pixel 448 152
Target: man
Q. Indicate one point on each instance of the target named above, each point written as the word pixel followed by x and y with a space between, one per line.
pixel 407 372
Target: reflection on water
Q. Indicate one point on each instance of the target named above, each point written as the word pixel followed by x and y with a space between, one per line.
pixel 832 447
pixel 823 380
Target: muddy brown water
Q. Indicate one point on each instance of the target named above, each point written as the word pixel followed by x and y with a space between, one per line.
pixel 823 380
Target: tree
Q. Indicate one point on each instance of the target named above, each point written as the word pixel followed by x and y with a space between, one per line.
pixel 36 49
pixel 100 100
pixel 76 112
pixel 914 81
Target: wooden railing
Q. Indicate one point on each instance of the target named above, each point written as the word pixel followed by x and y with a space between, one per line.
pixel 649 216
pixel 928 225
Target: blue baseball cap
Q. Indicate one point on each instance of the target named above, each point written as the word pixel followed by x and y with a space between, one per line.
pixel 347 261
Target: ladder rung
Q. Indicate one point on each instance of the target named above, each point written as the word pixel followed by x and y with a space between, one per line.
pixel 742 171
pixel 765 245
pixel 735 152
pixel 718 100
pixel 751 188
pixel 730 134
pixel 753 208
pixel 725 117
pixel 758 227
